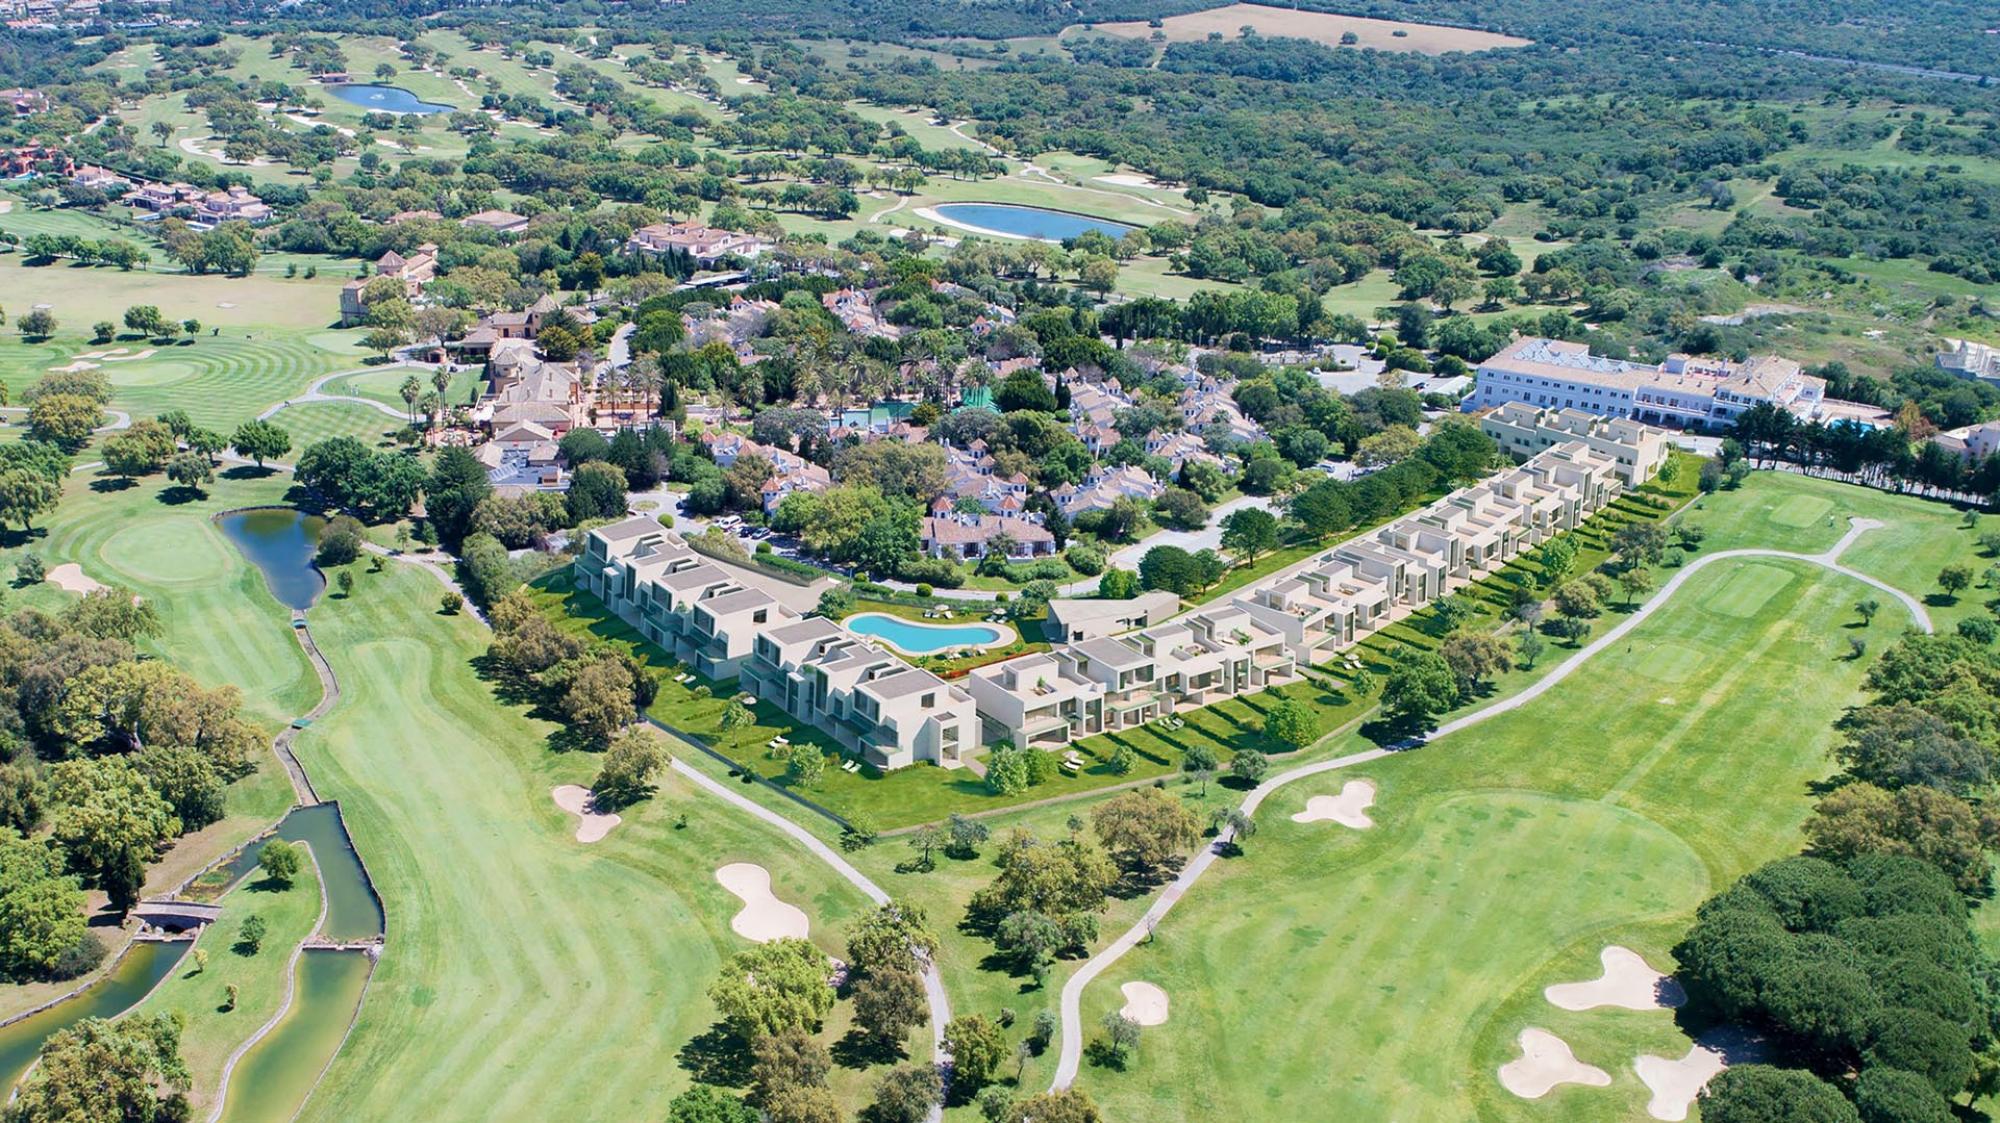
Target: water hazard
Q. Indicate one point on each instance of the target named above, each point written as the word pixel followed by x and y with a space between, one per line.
pixel 132 979
pixel 281 542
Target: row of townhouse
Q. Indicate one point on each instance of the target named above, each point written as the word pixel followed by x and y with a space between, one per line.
pixel 727 623
pixel 1108 683
pixel 1303 616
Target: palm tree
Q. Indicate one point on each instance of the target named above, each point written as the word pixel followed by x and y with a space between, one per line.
pixel 441 381
pixel 412 390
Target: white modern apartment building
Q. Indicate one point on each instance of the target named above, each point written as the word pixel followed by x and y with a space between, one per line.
pixel 1685 391
pixel 1522 430
pixel 1968 359
pixel 892 714
pixel 728 623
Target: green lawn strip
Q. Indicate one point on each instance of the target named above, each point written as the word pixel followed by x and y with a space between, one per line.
pixel 498 918
pixel 1502 860
pixel 291 914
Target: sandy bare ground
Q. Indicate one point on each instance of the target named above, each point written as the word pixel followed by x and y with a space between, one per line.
pixel 1145 1004
pixel 6 205
pixel 1545 1063
pixel 1349 808
pixel 1675 1084
pixel 70 577
pixel 1628 983
pixel 1319 27
pixel 763 917
pixel 591 825
pixel 193 147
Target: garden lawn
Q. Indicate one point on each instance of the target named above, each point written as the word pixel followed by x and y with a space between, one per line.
pixel 559 979
pixel 291 913
pixel 1503 859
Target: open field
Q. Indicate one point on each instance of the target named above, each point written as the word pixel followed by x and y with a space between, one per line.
pixel 1319 27
pixel 1502 860
pixel 561 979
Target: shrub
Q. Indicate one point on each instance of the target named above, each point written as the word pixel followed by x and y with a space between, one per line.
pixel 923 590
pixel 1085 559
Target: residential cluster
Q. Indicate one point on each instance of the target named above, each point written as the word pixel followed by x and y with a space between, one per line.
pixel 1117 663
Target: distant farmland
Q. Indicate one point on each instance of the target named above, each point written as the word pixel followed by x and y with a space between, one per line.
pixel 1320 27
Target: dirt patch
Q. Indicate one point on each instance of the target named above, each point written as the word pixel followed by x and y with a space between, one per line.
pixel 763 917
pixel 1546 1063
pixel 592 825
pixel 1349 808
pixel 1145 1004
pixel 70 577
pixel 1320 27
pixel 1628 983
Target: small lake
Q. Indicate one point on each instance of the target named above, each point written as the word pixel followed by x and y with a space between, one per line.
pixel 385 99
pixel 132 979
pixel 913 638
pixel 1012 221
pixel 281 542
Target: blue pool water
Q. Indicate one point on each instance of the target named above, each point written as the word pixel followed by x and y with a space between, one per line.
pixel 922 639
pixel 1028 222
pixel 386 99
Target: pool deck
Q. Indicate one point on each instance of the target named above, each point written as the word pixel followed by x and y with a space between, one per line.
pixel 1003 634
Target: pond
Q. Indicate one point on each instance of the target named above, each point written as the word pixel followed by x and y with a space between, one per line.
pixel 132 979
pixel 281 542
pixel 386 99
pixel 1011 221
pixel 913 638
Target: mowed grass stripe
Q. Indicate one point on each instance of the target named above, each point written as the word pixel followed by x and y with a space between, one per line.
pixel 1495 852
pixel 558 979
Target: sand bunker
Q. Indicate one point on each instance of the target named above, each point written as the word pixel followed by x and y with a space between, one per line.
pixel 1675 1084
pixel 1627 983
pixel 146 354
pixel 1123 180
pixel 591 825
pixel 75 367
pixel 69 576
pixel 1145 1004
pixel 1546 1062
pixel 763 917
pixel 1349 808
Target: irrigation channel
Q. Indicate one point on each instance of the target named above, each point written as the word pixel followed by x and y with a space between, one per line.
pixel 274 1071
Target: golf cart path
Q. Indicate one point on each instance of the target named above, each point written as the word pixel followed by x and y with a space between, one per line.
pixel 314 393
pixel 933 983
pixel 1072 992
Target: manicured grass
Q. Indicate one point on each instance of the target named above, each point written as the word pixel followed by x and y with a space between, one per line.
pixel 561 979
pixel 1502 860
pixel 308 422
pixel 201 996
pixel 386 386
pixel 218 624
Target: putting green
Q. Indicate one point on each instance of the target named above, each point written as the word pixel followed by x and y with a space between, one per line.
pixel 1801 510
pixel 166 552
pixel 150 372
pixel 1748 589
pixel 1671 662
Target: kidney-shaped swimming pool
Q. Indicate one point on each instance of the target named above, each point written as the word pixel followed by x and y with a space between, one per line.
pixel 914 638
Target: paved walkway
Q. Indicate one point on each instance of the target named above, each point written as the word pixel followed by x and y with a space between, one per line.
pixel 313 393
pixel 1072 993
pixel 933 984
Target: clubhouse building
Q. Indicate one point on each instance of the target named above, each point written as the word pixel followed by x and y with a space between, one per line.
pixel 1685 392
pixel 726 622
